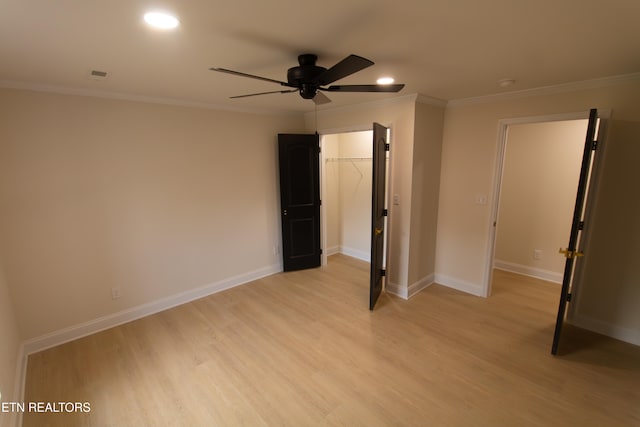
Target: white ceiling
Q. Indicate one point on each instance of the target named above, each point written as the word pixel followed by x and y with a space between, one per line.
pixel 447 49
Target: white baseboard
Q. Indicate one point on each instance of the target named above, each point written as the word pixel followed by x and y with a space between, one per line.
pixel 74 332
pixel 421 284
pixel 333 250
pixel 460 285
pixel 355 253
pixel 538 273
pixel 396 289
pixel 632 336
pixel 408 292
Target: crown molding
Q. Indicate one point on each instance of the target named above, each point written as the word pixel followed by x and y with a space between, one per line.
pixel 62 90
pixel 360 106
pixel 546 90
pixel 429 100
pixel 412 97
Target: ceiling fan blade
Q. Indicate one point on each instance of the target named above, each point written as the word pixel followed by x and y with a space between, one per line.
pixel 251 76
pixel 365 88
pixel 263 93
pixel 349 65
pixel 321 98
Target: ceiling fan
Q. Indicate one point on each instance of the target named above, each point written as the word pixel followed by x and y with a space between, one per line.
pixel 310 79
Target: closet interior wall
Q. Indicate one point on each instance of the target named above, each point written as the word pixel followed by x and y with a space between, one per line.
pixel 347 197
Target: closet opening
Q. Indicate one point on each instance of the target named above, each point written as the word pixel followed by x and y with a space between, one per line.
pixel 538 186
pixel 346 169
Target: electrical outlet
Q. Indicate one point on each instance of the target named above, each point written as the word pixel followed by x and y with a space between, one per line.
pixel 276 250
pixel 116 293
pixel 537 254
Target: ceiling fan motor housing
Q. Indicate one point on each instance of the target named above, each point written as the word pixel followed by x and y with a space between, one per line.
pixel 307 78
pixel 305 75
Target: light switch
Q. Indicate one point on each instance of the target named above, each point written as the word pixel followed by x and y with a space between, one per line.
pixel 396 199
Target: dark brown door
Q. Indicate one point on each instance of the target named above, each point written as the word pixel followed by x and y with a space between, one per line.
pixel 378 212
pixel 572 252
pixel 300 200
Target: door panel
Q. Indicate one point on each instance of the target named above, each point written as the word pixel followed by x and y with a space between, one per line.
pixel 572 253
pixel 300 200
pixel 378 212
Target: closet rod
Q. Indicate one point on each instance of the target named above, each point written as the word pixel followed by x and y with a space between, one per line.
pixel 348 159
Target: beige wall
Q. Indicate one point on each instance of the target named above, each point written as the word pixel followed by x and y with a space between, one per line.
pixel 331 195
pixel 427 153
pixel 537 197
pixel 154 199
pixel 355 193
pixel 468 166
pixel 9 348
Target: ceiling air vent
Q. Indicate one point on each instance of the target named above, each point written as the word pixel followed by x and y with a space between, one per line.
pixel 97 75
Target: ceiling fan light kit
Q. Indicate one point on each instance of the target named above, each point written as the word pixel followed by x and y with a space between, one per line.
pixel 385 80
pixel 308 79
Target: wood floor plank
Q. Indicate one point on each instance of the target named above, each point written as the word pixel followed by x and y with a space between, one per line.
pixel 302 349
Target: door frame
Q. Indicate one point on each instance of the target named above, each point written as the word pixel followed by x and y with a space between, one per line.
pixel 503 126
pixel 323 214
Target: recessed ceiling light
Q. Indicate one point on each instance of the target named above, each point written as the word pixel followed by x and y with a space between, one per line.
pixel 161 20
pixel 385 80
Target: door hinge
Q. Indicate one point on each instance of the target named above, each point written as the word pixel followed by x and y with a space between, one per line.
pixel 569 297
pixel 386 147
pixel 320 251
pixel 594 144
pixel 383 272
pixel 581 225
pixel 385 212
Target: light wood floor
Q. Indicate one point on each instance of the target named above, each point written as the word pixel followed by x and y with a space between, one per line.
pixel 302 349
